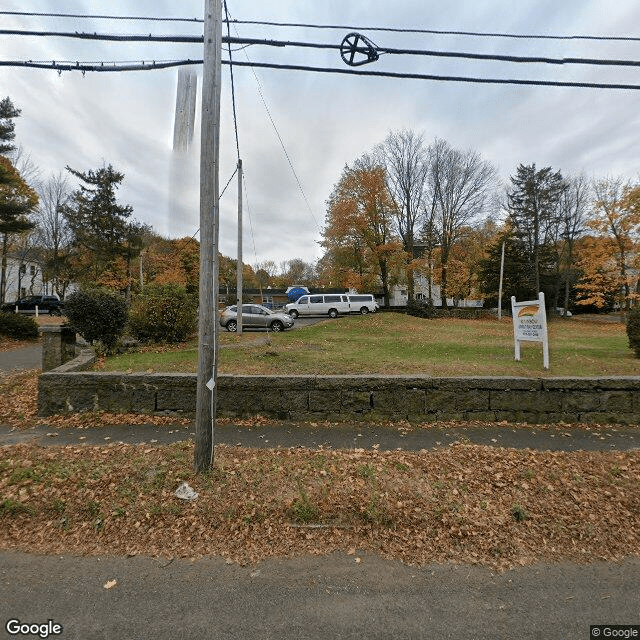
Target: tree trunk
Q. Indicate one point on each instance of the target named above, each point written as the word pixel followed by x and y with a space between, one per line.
pixel 443 286
pixel 3 270
pixel 384 276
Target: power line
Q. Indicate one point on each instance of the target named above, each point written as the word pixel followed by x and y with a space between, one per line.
pixel 154 65
pixel 233 88
pixel 284 148
pixel 318 45
pixel 102 36
pixel 444 54
pixel 441 32
pixel 97 17
pixel 98 67
pixel 421 76
pixel 275 128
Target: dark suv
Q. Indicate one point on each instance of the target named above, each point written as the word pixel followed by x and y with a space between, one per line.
pixel 45 304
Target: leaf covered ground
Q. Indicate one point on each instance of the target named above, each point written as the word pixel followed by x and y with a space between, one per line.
pixel 463 503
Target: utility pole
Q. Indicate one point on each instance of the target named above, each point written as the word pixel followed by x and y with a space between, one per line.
pixel 500 287
pixel 209 232
pixel 239 263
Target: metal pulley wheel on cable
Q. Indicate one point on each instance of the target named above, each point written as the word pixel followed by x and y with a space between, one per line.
pixel 357 50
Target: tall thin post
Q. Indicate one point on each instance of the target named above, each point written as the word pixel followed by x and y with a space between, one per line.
pixel 500 287
pixel 239 263
pixel 209 227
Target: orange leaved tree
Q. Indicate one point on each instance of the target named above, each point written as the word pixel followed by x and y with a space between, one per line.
pixel 362 249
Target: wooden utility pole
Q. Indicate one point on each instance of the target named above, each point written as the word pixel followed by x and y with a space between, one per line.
pixel 500 287
pixel 209 231
pixel 239 263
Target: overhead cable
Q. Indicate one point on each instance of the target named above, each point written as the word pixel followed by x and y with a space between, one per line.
pixel 421 76
pixel 151 65
pixel 318 45
pixel 444 54
pixel 98 67
pixel 233 87
pixel 102 36
pixel 81 16
pixel 440 32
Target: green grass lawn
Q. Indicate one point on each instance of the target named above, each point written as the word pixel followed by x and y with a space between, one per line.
pixel 391 343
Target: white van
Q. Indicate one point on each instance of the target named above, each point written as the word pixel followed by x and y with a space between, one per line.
pixel 362 303
pixel 331 304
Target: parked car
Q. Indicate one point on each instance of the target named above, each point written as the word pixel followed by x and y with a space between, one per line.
pixel 46 304
pixel 255 316
pixel 332 304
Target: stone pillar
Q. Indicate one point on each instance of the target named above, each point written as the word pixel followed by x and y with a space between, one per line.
pixel 58 346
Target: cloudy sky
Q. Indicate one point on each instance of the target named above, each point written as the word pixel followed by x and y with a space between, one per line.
pixel 324 121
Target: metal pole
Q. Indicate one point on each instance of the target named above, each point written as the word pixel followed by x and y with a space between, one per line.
pixel 239 263
pixel 500 287
pixel 209 225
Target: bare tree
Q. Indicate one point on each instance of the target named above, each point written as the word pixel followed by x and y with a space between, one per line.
pixel 54 234
pixel 404 156
pixel 460 183
pixel 574 205
pixel 27 168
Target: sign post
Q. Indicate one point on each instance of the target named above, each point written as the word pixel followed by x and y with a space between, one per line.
pixel 530 325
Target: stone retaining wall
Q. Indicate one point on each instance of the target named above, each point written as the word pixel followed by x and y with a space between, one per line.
pixel 416 398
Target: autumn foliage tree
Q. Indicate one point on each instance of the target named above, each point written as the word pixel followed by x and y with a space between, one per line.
pixel 599 285
pixel 17 201
pixel 172 261
pixel 616 220
pixel 358 232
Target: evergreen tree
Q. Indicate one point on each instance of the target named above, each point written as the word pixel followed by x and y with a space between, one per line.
pixel 533 204
pixel 7 114
pixel 101 227
pixel 517 276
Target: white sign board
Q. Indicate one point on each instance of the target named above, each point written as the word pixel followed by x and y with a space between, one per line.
pixel 530 325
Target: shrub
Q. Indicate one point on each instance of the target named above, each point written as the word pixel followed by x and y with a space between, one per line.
pixel 97 315
pixel 426 309
pixel 633 329
pixel 14 325
pixel 163 313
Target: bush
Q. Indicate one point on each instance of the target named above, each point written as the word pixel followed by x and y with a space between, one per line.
pixel 633 329
pixel 19 327
pixel 163 313
pixel 97 315
pixel 426 309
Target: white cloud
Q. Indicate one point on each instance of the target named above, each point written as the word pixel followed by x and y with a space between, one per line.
pixel 325 121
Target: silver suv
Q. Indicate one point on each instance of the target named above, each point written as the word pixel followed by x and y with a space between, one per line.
pixel 255 316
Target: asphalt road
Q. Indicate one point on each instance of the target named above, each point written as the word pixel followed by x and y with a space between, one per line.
pixel 313 598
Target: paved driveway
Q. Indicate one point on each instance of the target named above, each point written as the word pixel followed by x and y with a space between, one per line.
pixel 20 359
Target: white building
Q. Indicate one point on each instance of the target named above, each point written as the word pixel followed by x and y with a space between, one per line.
pixel 399 295
pixel 23 278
